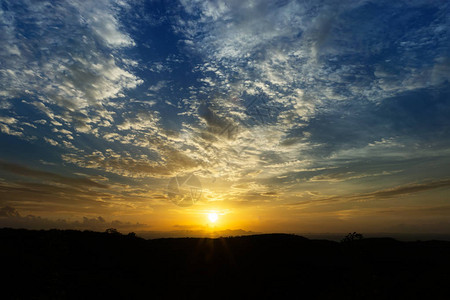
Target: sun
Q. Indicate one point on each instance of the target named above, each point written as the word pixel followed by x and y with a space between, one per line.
pixel 213 217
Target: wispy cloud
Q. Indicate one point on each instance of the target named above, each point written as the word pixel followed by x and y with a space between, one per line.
pixel 394 192
pixel 410 189
pixel 27 172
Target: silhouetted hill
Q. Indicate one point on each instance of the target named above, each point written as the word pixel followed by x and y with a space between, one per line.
pixel 57 264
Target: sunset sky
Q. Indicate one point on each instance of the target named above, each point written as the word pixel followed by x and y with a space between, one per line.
pixel 285 116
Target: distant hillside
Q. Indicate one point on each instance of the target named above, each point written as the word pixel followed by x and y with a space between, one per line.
pixel 80 265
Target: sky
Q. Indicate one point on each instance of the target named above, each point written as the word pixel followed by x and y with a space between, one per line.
pixel 277 116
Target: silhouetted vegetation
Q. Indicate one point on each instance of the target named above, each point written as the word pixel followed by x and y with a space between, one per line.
pixel 57 264
pixel 352 237
pixel 112 231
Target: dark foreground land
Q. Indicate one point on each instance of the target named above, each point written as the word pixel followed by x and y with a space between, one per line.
pixel 84 265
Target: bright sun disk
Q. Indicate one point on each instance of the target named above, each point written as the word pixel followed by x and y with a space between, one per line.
pixel 213 217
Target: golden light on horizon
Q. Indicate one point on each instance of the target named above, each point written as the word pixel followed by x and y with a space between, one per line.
pixel 213 217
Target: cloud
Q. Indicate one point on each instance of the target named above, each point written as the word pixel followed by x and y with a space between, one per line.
pixel 9 125
pixel 8 120
pixel 172 162
pixel 410 189
pixel 141 120
pixel 51 142
pixel 8 211
pixel 10 217
pixel 307 61
pixel 158 86
pixel 394 192
pixel 49 196
pixel 7 130
pixel 287 95
pixel 74 67
pixel 337 177
pixel 101 17
pixel 280 44
pixel 70 181
pixel 217 125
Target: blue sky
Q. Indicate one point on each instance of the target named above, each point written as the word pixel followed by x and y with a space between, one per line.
pixel 295 116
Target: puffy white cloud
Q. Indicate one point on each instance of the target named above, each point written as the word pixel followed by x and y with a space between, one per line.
pixel 8 120
pixel 140 121
pixel 51 141
pixel 9 125
pixel 69 55
pixel 7 130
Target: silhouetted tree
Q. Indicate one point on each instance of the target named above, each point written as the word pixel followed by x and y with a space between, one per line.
pixel 352 237
pixel 112 231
